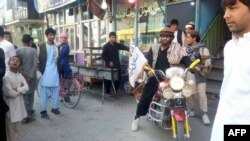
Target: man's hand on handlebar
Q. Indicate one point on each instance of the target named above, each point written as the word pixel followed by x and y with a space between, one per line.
pixel 150 73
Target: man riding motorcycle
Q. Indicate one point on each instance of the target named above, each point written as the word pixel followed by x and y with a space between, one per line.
pixel 160 57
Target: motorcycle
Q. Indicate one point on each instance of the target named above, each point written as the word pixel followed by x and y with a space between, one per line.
pixel 168 109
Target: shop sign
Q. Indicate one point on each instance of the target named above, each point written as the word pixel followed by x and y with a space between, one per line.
pixel 155 22
pixel 142 27
pixel 146 7
pixel 47 5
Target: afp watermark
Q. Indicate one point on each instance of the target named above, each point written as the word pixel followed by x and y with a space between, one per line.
pixel 236 132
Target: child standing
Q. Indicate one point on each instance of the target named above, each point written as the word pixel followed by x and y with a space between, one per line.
pixel 14 87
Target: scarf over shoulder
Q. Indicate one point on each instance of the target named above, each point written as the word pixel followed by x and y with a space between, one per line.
pixel 175 53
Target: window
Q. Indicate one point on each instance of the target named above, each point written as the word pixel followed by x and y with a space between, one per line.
pixel 70 31
pixel 103 33
pixel 57 18
pixel 86 14
pixel 70 16
pixel 85 34
pixel 61 17
pixel 50 19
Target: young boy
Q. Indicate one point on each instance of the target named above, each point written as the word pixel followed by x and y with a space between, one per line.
pixel 14 87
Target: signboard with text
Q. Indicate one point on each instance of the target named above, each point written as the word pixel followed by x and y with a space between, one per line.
pixel 136 62
pixel 47 5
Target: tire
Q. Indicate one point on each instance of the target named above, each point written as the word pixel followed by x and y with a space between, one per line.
pixel 180 131
pixel 72 93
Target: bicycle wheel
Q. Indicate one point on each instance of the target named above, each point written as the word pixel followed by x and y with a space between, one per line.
pixel 72 93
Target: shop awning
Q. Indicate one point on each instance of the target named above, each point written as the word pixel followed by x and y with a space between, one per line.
pixel 125 34
pixel 125 31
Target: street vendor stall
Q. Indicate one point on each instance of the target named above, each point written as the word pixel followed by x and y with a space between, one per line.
pixel 98 72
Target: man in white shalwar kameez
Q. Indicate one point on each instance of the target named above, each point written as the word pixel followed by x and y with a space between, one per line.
pixel 234 106
pixel 8 48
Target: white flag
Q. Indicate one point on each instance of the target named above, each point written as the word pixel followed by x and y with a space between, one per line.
pixel 136 62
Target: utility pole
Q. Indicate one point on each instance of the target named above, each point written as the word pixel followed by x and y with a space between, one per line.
pixel 136 21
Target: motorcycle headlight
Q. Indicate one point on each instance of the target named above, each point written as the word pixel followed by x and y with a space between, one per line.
pixel 168 94
pixel 176 83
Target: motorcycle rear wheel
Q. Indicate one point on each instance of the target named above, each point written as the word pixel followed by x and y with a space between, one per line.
pixel 180 131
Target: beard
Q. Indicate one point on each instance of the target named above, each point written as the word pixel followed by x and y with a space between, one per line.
pixel 166 43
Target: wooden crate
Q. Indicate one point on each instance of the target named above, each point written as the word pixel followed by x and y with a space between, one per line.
pixel 92 56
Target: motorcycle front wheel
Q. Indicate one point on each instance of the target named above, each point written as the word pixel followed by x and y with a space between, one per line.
pixel 180 131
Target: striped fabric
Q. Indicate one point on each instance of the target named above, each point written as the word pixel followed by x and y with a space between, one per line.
pixel 175 53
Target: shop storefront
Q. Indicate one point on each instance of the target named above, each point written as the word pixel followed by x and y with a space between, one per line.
pixel 153 16
pixel 85 29
pixel 82 27
pixel 151 20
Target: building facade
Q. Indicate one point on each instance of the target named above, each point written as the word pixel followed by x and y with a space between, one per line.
pixel 20 17
pixel 88 22
pixel 85 28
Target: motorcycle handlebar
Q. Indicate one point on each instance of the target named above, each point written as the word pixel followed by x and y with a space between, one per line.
pixel 147 68
pixel 197 61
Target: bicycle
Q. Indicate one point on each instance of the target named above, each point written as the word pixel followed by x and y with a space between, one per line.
pixel 69 89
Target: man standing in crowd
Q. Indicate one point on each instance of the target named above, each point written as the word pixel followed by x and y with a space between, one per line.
pixel 234 107
pixel 7 47
pixel 28 70
pixel 3 106
pixel 32 44
pixel 160 57
pixel 189 27
pixel 8 37
pixel 196 49
pixel 48 66
pixel 64 67
pixel 179 35
pixel 110 55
